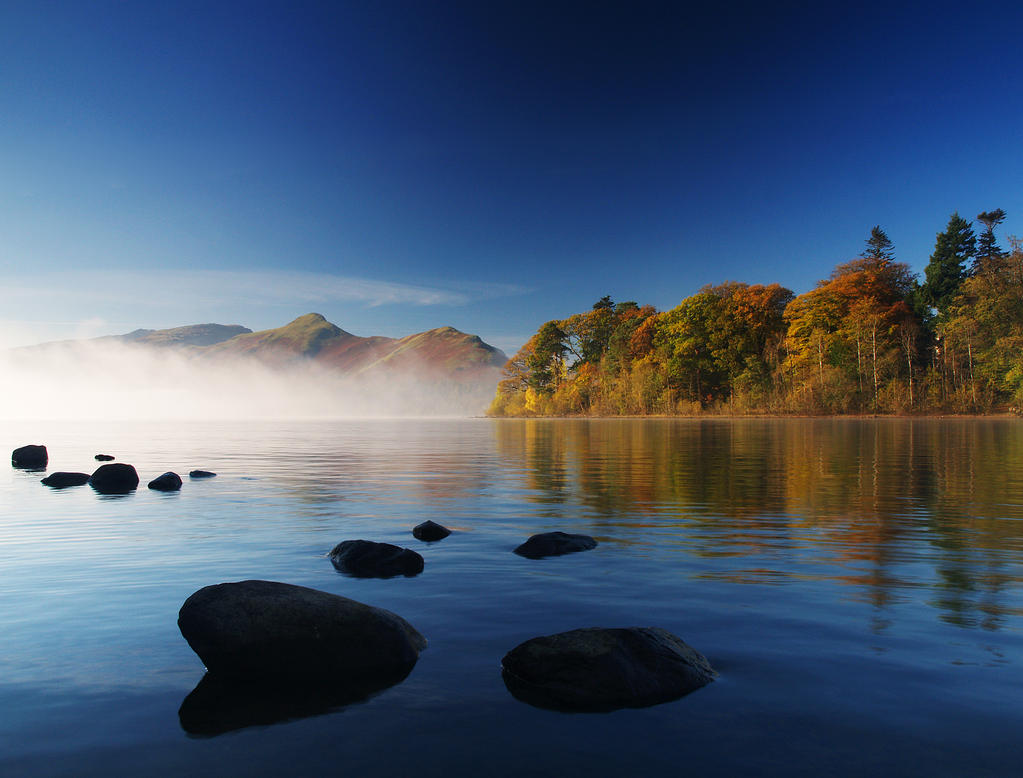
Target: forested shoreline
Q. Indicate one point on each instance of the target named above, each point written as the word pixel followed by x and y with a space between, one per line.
pixel 871 338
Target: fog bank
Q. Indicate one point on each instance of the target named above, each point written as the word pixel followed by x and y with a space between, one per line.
pixel 96 381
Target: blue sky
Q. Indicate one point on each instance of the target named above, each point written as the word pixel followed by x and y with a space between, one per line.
pixel 399 166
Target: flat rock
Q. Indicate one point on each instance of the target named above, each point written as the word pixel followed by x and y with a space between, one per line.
pixel 368 559
pixel 103 458
pixel 30 457
pixel 201 474
pixel 116 478
pixel 598 669
pixel 60 480
pixel 168 482
pixel 430 531
pixel 264 629
pixel 554 544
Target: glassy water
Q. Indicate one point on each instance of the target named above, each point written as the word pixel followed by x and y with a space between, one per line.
pixel 857 584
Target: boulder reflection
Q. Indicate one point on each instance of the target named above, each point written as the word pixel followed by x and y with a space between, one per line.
pixel 219 705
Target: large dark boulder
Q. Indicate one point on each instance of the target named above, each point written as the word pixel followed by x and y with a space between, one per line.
pixel 116 478
pixel 30 457
pixel 60 480
pixel 368 559
pixel 201 474
pixel 430 531
pixel 168 482
pixel 263 629
pixel 554 544
pixel 604 669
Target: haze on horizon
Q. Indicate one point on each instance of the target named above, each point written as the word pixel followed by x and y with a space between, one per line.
pixel 402 166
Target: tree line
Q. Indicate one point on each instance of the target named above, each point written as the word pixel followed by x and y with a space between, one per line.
pixel 869 338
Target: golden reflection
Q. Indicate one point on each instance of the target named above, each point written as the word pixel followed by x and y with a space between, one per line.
pixel 887 506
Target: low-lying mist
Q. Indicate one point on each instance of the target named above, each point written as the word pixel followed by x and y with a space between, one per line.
pixel 114 380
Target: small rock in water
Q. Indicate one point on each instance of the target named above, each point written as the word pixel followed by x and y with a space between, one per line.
pixel 554 544
pixel 59 480
pixel 30 457
pixel 599 669
pixel 201 474
pixel 368 559
pixel 430 531
pixel 168 482
pixel 104 458
pixel 264 629
pixel 117 478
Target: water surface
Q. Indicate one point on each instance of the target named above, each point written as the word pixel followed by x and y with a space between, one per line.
pixel 856 583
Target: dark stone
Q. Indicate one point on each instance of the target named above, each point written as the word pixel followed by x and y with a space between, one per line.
pixel 368 559
pixel 104 458
pixel 430 531
pixel 60 480
pixel 218 705
pixel 259 629
pixel 30 457
pixel 168 482
pixel 201 474
pixel 604 669
pixel 117 478
pixel 554 544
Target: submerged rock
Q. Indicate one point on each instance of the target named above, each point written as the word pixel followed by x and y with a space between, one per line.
pixel 201 474
pixel 104 458
pixel 60 479
pixel 368 559
pixel 430 531
pixel 259 629
pixel 117 478
pixel 30 457
pixel 604 669
pixel 554 544
pixel 168 482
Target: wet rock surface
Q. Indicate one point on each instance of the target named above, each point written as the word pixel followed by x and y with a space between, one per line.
pixel 116 478
pixel 32 457
pixel 168 482
pixel 554 544
pixel 369 559
pixel 430 531
pixel 201 474
pixel 597 669
pixel 60 480
pixel 257 630
pixel 103 458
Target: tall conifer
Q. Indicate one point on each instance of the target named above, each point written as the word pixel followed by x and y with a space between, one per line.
pixel 947 268
pixel 987 248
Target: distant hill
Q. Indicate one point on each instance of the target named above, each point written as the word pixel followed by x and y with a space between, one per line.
pixel 444 351
pixel 191 335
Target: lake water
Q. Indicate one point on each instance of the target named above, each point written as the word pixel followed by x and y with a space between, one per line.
pixel 857 584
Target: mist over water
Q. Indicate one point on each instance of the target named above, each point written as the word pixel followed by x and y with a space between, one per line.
pixel 116 380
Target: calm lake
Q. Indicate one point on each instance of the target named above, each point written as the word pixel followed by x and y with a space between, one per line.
pixel 858 584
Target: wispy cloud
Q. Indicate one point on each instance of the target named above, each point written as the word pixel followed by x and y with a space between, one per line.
pixel 266 287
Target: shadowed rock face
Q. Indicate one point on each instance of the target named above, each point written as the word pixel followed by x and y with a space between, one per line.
pixel 104 458
pixel 30 457
pixel 168 482
pixel 116 478
pixel 598 669
pixel 263 629
pixel 201 474
pixel 554 544
pixel 430 531
pixel 60 480
pixel 368 559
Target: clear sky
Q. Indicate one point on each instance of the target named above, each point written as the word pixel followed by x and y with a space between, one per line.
pixel 398 166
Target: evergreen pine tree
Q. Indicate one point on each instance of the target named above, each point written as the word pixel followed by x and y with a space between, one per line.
pixel 987 248
pixel 947 268
pixel 879 246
